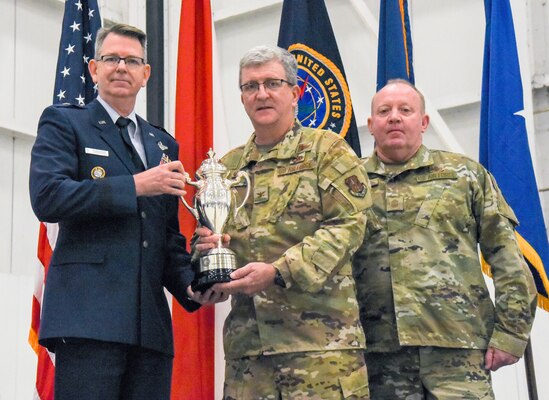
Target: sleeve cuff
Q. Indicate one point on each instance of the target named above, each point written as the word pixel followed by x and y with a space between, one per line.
pixel 282 266
pixel 508 343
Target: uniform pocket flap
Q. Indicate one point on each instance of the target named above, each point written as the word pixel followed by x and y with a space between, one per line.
pixel 77 255
pixel 355 385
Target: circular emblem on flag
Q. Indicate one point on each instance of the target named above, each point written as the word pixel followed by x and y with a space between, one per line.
pixel 325 101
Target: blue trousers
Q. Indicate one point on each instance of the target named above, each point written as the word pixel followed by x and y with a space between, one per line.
pixel 92 370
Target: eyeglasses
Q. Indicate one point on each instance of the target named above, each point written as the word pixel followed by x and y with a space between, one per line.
pixel 131 61
pixel 271 85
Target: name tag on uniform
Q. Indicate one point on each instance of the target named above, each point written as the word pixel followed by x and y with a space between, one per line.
pixel 97 152
pixel 437 176
pixel 395 203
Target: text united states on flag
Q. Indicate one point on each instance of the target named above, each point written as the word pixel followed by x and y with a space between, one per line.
pixel 73 84
pixel 325 99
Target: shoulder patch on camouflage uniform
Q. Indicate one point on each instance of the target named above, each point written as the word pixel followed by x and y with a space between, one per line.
pixel 356 187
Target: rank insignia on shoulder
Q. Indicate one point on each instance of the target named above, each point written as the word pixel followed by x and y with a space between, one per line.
pixel 165 159
pixel 98 172
pixel 261 194
pixel 356 187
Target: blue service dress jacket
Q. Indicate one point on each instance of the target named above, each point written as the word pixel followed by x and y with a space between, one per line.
pixel 115 252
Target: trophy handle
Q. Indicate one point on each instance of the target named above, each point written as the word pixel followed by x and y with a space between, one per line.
pixel 196 184
pixel 238 178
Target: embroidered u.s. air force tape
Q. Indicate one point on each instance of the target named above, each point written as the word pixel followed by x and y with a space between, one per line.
pixel 438 175
pixel 98 172
pixel 96 152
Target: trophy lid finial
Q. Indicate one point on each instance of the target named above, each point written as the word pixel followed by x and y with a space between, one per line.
pixel 211 166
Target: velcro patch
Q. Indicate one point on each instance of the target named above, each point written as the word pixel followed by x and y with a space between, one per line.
pixel 437 175
pixel 356 187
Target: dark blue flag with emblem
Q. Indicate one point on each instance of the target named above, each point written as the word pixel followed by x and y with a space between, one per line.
pixel 325 100
pixel 504 148
pixel 394 50
pixel 73 83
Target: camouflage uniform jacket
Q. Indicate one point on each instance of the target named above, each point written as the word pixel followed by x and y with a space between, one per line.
pixel 418 274
pixel 306 216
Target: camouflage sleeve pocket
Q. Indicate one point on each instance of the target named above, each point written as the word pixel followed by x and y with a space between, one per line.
pixel 325 258
pixel 346 181
pixel 503 207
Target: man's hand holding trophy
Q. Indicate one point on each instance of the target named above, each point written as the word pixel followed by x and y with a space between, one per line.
pixel 212 205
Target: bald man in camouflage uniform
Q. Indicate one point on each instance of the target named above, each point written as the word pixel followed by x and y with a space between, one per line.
pixel 294 330
pixel 432 330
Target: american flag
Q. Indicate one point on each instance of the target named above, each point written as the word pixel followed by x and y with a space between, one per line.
pixel 73 85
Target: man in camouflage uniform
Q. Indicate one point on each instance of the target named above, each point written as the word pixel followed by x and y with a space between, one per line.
pixel 294 330
pixel 432 330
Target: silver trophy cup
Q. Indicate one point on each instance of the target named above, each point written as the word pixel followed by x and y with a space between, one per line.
pixel 212 204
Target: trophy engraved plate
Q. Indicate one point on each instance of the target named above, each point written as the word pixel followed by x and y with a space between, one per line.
pixel 212 205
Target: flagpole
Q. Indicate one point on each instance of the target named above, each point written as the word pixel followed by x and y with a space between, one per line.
pixel 155 52
pixel 530 372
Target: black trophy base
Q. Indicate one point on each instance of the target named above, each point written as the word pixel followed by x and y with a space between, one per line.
pixel 206 279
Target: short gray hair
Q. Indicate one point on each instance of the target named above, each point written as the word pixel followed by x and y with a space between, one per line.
pixel 260 55
pixel 121 30
pixel 395 81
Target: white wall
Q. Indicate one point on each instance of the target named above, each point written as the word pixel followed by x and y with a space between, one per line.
pixel 448 40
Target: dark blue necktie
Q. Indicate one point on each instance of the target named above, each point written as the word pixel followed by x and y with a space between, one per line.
pixel 122 124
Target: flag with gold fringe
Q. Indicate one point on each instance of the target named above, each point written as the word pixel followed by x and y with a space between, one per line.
pixel 504 148
pixel 394 50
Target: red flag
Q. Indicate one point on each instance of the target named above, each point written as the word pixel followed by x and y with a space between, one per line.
pixel 193 369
